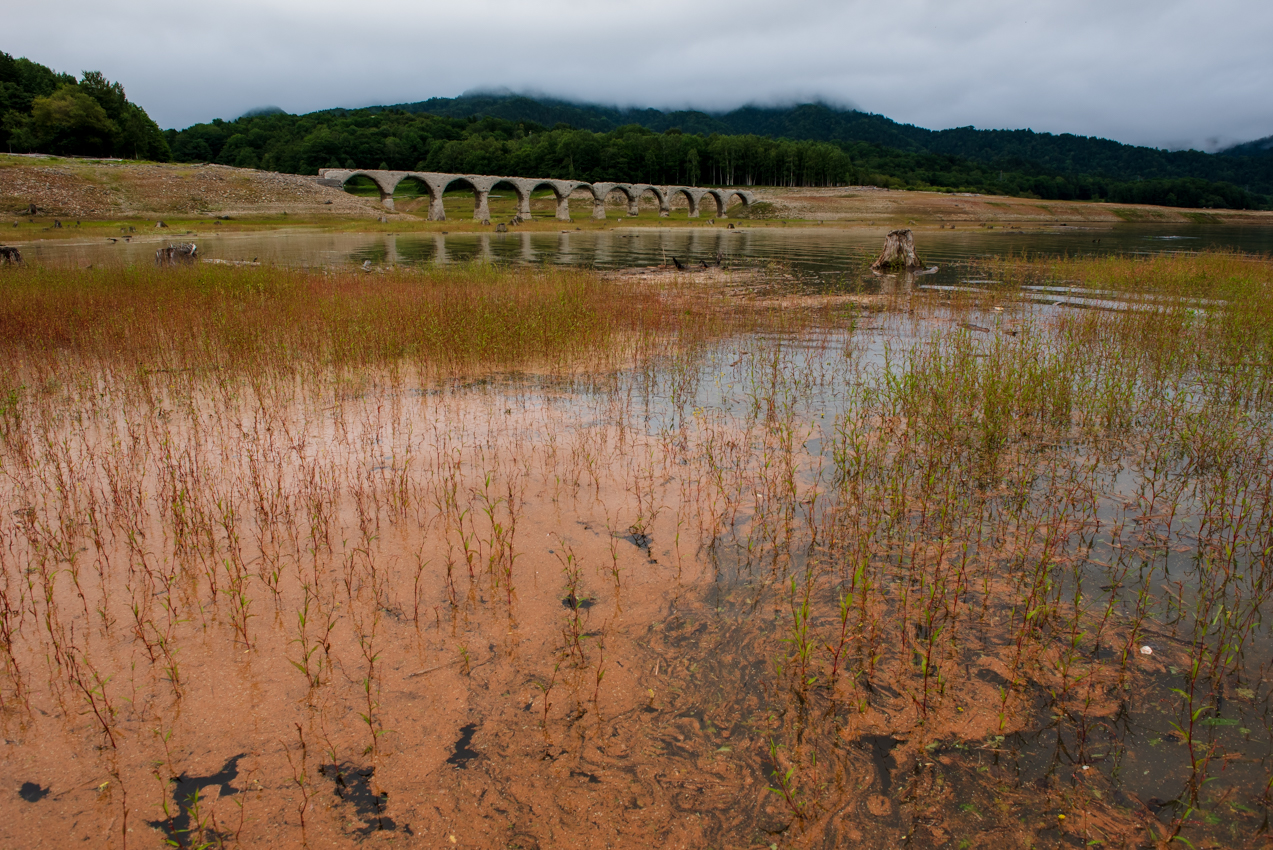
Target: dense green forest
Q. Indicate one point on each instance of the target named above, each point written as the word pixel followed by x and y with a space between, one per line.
pixel 420 141
pixel 1249 166
pixel 1258 147
pixel 500 133
pixel 45 111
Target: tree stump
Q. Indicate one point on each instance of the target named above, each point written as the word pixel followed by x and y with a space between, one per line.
pixel 898 254
pixel 183 253
pixel 10 255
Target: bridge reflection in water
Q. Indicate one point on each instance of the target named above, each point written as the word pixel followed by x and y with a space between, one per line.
pixel 598 249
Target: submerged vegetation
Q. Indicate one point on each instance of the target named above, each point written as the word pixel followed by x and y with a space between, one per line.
pixel 501 556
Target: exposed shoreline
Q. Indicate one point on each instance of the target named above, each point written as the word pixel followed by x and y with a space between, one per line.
pixel 190 196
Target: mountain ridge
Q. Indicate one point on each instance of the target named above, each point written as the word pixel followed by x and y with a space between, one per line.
pixel 1255 147
pixel 1063 153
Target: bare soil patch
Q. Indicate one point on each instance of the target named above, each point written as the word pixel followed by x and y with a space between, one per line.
pixel 107 189
pixel 874 206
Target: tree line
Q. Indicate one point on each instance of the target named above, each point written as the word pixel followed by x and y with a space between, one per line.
pixel 417 142
pixel 412 141
pixel 1249 166
pixel 44 111
pixel 49 112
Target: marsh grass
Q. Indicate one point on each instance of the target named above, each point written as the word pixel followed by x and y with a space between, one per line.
pixel 213 318
pixel 1021 496
pixel 905 549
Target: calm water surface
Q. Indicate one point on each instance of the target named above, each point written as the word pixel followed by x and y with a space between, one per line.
pixel 810 252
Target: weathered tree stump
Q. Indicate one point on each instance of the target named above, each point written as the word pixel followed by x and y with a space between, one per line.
pixel 898 254
pixel 10 255
pixel 183 253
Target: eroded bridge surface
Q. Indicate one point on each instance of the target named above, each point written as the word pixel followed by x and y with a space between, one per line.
pixel 435 184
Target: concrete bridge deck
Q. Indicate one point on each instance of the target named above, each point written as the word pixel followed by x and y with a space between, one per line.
pixel 436 183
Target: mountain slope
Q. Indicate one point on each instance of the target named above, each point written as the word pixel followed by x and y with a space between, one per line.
pixel 1064 154
pixel 1258 147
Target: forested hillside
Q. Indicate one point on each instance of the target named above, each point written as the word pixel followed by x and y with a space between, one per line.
pixel 1259 147
pixel 44 111
pixel 402 140
pixel 1009 150
pixel 807 145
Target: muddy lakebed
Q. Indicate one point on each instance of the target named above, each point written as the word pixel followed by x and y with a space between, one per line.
pixel 953 564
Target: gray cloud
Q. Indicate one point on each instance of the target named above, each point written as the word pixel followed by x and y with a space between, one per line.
pixel 1170 73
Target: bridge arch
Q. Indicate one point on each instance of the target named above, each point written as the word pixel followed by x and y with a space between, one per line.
pixel 661 197
pixel 519 189
pixel 534 185
pixel 458 180
pixel 692 196
pixel 410 186
pixel 602 191
pixel 386 182
pixel 639 191
pixel 745 198
pixel 718 198
pixel 562 190
pixel 598 200
pixel 481 186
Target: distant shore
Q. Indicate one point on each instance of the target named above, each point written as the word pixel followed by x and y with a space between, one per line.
pixel 109 194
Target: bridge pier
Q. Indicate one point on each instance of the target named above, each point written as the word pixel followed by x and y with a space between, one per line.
pixel 633 206
pixel 482 206
pixel 598 208
pixel 523 206
pixel 563 207
pixel 386 200
pixel 719 199
pixel 437 212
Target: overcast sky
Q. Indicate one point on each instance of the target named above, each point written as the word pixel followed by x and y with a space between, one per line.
pixel 1168 73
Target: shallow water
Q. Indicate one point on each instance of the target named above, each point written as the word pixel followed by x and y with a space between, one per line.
pixel 812 253
pixel 569 605
pixel 626 677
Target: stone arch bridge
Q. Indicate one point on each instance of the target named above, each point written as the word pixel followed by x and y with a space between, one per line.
pixel 435 184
